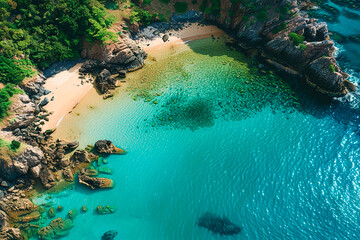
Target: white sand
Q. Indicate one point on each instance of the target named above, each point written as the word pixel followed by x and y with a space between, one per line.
pixel 68 91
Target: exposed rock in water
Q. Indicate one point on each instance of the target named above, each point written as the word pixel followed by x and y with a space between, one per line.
pixel 58 227
pixel 94 182
pixel 109 235
pixel 107 147
pixel 218 225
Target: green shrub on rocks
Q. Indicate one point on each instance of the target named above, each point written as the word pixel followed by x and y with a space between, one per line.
pixel 14 145
pixel 5 94
pixel 296 38
pixel 302 47
pixel 332 68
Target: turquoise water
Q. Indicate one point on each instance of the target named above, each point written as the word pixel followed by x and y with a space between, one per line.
pixel 279 167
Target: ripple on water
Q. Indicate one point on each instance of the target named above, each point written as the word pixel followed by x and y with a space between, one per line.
pixel 278 175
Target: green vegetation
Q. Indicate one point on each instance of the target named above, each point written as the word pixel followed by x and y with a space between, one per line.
pixel 14 145
pixel 5 94
pixel 144 17
pixel 279 28
pixel 296 38
pixel 302 47
pixel 165 1
pixel 332 68
pixel 212 7
pixel 46 31
pixel 181 7
pixel 262 15
pixel 10 72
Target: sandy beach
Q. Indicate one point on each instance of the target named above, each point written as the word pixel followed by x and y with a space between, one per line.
pixel 68 91
pixel 190 32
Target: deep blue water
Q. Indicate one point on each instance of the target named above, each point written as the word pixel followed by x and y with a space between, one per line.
pixel 278 172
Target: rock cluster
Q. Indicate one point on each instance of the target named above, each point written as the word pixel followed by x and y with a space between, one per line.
pixel 58 227
pixel 311 59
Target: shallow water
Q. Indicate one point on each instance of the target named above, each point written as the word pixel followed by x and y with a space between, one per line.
pixel 208 133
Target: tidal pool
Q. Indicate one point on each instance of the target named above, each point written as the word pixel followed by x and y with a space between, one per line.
pixel 207 131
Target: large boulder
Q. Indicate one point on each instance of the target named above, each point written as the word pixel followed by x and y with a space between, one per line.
pixel 94 182
pixel 324 74
pixel 107 147
pixel 105 82
pixel 30 158
pixel 122 55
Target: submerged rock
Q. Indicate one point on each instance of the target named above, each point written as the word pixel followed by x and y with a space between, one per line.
pixel 109 235
pixel 72 214
pixel 58 227
pixel 105 209
pixel 107 147
pixel 218 225
pixel 51 213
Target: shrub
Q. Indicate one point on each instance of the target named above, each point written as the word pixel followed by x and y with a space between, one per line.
pixel 295 38
pixel 14 145
pixel 10 72
pixel 262 15
pixel 142 16
pixel 5 94
pixel 302 47
pixel 332 68
pixel 181 7
pixel 165 1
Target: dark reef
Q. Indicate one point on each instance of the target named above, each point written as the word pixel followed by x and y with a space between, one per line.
pixel 218 225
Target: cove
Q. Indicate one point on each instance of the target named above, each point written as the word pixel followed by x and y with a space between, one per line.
pixel 207 131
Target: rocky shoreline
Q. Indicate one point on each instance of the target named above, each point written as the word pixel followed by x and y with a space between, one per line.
pixel 55 162
pixel 283 35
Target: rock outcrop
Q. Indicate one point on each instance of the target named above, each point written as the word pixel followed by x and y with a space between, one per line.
pixel 94 182
pixel 122 55
pixel 107 147
pixel 58 227
pixel 104 82
pixel 271 26
pixel 13 165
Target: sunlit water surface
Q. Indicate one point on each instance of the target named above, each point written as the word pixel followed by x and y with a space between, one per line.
pixel 208 133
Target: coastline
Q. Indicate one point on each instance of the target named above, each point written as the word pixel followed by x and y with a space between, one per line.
pixel 68 91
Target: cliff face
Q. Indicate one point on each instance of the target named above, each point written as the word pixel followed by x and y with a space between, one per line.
pixel 286 38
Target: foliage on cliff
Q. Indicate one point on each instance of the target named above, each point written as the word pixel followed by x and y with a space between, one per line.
pixel 5 94
pixel 46 31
